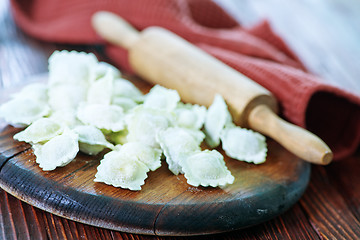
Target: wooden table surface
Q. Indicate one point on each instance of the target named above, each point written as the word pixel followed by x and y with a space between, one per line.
pixel 326 36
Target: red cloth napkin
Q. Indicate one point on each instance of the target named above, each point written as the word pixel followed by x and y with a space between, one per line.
pixel 329 112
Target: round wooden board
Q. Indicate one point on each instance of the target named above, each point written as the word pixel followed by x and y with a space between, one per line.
pixel 166 205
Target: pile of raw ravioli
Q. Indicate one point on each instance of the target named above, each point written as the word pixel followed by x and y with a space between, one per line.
pixel 86 106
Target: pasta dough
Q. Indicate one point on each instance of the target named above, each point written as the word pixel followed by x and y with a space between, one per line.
pixel 74 68
pixel 217 117
pixel 120 170
pixel 162 98
pixel 23 111
pixel 58 151
pixel 144 123
pixel 177 144
pixel 243 144
pixel 125 89
pixel 108 117
pixel 190 116
pixel 39 131
pixel 207 168
pixel 146 154
pixel 91 140
pixel 100 91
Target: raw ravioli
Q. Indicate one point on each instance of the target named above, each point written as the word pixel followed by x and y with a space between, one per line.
pixel 108 117
pixel 124 88
pixel 177 144
pixel 57 152
pixel 39 131
pixel 66 96
pixel 243 144
pixel 207 168
pixel 117 138
pixel 101 69
pixel 217 117
pixel 66 116
pixel 150 156
pixel 23 111
pixel 144 123
pixel 86 105
pixel 34 91
pixel 162 98
pixel 121 170
pixel 71 67
pixel 100 91
pixel 190 116
pixel 91 140
pixel 126 103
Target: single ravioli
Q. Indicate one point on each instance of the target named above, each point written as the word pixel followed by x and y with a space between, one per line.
pixel 66 96
pixel 217 117
pixel 23 111
pixel 66 117
pixel 101 69
pixel 190 116
pixel 41 130
pixel 177 144
pixel 126 89
pixel 120 170
pixel 100 91
pixel 162 98
pixel 146 154
pixel 108 117
pixel 207 168
pixel 71 67
pixel 35 91
pixel 126 103
pixel 57 152
pixel 244 144
pixel 144 123
pixel 91 140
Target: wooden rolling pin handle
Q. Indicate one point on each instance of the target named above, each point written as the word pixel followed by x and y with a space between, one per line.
pixel 299 141
pixel 257 115
pixel 114 29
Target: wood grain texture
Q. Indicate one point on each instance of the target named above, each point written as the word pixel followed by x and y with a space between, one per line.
pixel 326 38
pixel 331 213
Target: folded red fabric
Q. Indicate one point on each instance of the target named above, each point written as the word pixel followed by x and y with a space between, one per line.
pixel 329 112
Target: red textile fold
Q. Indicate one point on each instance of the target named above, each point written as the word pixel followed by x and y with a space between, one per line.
pixel 331 113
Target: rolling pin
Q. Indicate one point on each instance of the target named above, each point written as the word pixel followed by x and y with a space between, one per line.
pixel 161 57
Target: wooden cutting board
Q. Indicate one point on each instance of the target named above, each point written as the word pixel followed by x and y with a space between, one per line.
pixel 166 205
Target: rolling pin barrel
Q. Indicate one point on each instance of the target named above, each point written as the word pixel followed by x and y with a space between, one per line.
pixel 164 58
